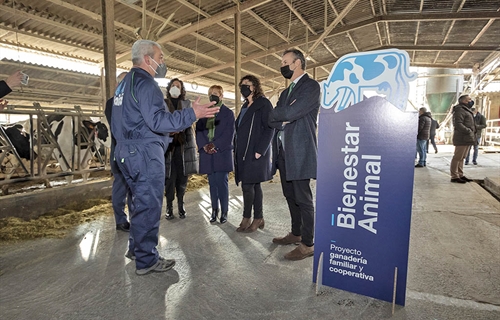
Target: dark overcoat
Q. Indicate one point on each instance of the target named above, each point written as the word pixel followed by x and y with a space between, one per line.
pixel 254 135
pixel 189 158
pixel 222 161
pixel 300 111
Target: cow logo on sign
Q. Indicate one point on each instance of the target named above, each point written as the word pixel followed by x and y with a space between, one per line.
pixel 385 71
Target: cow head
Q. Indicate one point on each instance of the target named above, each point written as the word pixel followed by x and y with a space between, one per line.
pixel 101 130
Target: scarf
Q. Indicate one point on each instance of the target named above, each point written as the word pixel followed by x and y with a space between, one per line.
pixel 211 123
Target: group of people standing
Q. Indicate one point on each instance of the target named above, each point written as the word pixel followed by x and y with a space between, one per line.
pixel 468 124
pixel 155 150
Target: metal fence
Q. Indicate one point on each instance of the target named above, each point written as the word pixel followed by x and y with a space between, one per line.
pixel 43 145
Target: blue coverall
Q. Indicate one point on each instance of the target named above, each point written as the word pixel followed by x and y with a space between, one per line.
pixel 120 190
pixel 141 124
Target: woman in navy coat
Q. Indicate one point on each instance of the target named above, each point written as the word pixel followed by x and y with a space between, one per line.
pixel 252 151
pixel 214 138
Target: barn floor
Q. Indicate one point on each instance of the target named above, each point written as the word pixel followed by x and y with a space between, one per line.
pixel 454 264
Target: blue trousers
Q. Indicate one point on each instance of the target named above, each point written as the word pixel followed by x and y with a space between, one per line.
pixel 219 190
pixel 475 153
pixel 422 151
pixel 119 193
pixel 143 166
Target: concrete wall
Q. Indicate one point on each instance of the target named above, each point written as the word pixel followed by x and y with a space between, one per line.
pixel 34 204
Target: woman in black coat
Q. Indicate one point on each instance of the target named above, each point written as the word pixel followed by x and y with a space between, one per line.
pixel 252 151
pixel 215 145
pixel 180 158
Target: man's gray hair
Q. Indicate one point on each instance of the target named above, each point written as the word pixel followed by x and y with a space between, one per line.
pixel 141 48
pixel 423 109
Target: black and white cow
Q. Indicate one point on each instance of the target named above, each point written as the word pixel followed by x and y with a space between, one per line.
pixel 66 133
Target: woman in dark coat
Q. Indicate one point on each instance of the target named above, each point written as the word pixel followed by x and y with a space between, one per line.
pixel 180 158
pixel 215 144
pixel 252 151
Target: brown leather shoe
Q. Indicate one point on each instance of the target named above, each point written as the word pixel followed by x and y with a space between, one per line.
pixel 256 224
pixel 245 223
pixel 299 253
pixel 288 239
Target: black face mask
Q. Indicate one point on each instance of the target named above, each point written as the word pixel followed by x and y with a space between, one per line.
pixel 245 90
pixel 286 72
pixel 470 104
pixel 215 98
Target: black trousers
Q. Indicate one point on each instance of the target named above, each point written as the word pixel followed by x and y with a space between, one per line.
pixel 252 197
pixel 177 182
pixel 299 197
pixel 431 140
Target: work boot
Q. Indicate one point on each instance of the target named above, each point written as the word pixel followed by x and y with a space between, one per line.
pixel 256 224
pixel 288 239
pixel 244 224
pixel 182 212
pixel 215 213
pixel 223 217
pixel 170 211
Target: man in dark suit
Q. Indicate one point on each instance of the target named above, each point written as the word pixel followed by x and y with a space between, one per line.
pixel 295 150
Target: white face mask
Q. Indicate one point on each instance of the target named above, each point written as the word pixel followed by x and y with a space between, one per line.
pixel 174 92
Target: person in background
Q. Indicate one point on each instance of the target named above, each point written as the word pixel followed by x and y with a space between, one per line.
pixel 434 126
pixel 120 191
pixel 480 122
pixel 180 158
pixel 214 137
pixel 464 136
pixel 141 125
pixel 424 129
pixel 253 151
pixel 14 80
pixel 295 150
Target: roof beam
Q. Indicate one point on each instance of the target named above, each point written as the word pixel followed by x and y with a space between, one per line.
pixel 483 30
pixel 332 25
pixel 228 13
pixel 299 16
pixel 362 24
pixel 88 13
pixel 268 26
pixel 20 13
pixel 477 15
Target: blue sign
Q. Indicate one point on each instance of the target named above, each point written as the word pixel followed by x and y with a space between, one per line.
pixel 366 152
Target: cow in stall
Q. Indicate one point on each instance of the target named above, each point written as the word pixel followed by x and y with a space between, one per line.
pixel 66 135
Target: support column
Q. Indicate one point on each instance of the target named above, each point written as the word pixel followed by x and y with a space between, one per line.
pixel 237 61
pixel 314 73
pixel 108 35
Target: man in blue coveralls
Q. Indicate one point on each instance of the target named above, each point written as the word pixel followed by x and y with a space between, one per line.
pixel 141 125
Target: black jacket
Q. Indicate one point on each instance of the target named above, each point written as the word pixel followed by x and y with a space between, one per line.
pixel 424 126
pixel 253 135
pixel 464 128
pixel 300 110
pixel 4 89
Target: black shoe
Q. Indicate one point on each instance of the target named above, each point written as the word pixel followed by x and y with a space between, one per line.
pixel 458 180
pixel 436 151
pixel 418 165
pixel 464 178
pixel 130 255
pixel 223 217
pixel 170 212
pixel 475 163
pixel 182 212
pixel 466 163
pixel 123 227
pixel 215 213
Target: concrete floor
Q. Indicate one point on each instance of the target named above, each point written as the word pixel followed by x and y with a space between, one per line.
pixel 454 264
